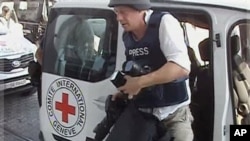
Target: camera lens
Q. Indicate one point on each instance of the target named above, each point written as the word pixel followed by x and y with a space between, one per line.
pixel 128 66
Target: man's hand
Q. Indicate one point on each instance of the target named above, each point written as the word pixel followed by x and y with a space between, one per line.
pixel 39 55
pixel 131 87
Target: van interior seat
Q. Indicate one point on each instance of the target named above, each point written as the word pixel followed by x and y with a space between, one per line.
pixel 195 65
pixel 241 80
pixel 62 44
pixel 202 102
pixel 205 50
pixel 246 51
pixel 76 48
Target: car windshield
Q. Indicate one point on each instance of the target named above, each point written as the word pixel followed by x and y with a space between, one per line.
pixel 28 11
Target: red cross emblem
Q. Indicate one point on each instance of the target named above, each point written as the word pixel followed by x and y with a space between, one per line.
pixel 65 108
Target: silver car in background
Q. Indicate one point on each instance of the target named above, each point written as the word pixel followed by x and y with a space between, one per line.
pixel 15 54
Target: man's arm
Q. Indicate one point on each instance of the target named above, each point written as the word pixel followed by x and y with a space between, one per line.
pixel 38 55
pixel 167 73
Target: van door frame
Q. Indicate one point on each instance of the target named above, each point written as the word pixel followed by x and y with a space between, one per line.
pixel 223 100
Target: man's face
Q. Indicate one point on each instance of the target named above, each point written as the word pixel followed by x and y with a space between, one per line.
pixel 6 12
pixel 128 17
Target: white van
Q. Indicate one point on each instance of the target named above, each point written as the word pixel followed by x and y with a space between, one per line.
pixel 78 65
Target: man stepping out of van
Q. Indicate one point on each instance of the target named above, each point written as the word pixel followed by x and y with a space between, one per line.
pixel 156 39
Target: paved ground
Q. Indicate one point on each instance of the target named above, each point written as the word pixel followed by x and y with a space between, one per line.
pixel 19 118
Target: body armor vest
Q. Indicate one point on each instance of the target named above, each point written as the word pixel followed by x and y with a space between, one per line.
pixel 147 52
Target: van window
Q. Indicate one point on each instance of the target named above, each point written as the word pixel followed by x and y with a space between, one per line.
pixel 84 44
pixel 239 52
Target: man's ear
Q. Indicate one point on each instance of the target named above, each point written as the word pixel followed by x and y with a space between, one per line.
pixel 144 16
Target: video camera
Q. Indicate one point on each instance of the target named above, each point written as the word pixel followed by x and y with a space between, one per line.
pixel 131 68
pixel 114 109
pixel 136 68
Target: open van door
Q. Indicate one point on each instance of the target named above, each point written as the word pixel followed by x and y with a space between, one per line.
pixel 83 48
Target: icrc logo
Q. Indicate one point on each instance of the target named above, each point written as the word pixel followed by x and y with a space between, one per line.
pixel 66 107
